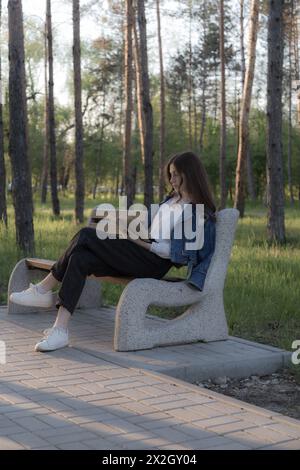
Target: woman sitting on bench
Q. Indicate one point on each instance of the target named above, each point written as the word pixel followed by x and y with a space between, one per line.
pixel 87 254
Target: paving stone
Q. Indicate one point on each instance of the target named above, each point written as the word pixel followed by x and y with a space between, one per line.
pixel 206 443
pixel 99 444
pixel 289 445
pixel 79 435
pixel 123 439
pixel 30 440
pixel 72 446
pixel 251 440
pixel 172 434
pixel 233 446
pixel 123 426
pixel 30 423
pixel 193 432
pixel 47 447
pixel 51 431
pixel 54 420
pixel 101 429
pixel 231 427
pixel 11 430
pixel 210 422
pixel 159 423
pixel 266 432
pixel 7 443
pixel 285 430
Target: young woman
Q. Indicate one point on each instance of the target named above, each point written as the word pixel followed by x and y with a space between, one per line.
pixel 87 254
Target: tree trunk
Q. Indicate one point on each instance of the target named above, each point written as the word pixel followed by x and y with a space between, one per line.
pixel 223 186
pixel 240 182
pixel 290 33
pixel 99 153
pixel 46 124
pixel 162 108
pixel 297 74
pixel 134 175
pixel 121 113
pixel 242 36
pixel 203 119
pixel 117 182
pixel 79 174
pixel 195 119
pixel 147 107
pixel 250 176
pixel 66 169
pixel 203 98
pixel 275 185
pixel 52 139
pixel 216 92
pixel 190 77
pixel 127 180
pixel 3 209
pixel 18 143
pixel 138 90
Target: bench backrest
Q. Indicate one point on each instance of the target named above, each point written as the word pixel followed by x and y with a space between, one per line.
pixel 225 230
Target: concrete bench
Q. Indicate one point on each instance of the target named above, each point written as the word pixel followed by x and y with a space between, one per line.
pixel 204 319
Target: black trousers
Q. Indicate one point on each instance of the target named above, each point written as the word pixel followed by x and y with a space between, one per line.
pixel 87 254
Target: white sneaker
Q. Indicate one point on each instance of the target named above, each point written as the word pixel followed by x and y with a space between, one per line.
pixel 47 331
pixel 31 297
pixel 55 338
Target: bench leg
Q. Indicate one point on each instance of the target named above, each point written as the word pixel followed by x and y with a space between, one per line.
pixel 20 279
pixel 21 276
pixel 91 295
pixel 204 320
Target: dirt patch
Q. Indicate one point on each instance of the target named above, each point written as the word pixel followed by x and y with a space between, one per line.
pixel 278 392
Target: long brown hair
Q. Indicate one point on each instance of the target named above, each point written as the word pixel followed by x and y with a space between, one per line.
pixel 189 164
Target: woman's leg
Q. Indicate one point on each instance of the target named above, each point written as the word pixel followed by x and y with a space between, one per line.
pixel 63 318
pixel 40 295
pixel 47 284
pixel 80 240
pixel 57 271
pixel 58 336
pixel 109 257
pixel 80 265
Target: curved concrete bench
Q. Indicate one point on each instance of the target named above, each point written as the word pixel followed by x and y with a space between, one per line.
pixel 205 318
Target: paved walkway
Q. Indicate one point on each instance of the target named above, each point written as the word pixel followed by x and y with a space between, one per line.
pixel 89 397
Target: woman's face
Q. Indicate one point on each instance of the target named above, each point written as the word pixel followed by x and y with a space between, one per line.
pixel 175 179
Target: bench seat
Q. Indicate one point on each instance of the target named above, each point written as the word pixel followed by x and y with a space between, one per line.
pixel 46 265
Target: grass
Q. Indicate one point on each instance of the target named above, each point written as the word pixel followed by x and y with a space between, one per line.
pixel 261 292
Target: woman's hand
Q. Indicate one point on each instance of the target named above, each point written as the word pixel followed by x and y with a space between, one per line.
pixel 138 241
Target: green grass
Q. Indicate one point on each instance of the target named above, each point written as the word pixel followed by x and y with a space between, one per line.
pixel 261 292
pixel 262 285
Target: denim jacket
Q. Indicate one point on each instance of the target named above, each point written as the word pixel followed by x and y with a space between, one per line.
pixel 198 261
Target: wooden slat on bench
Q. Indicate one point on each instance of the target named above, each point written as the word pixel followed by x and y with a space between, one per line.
pixel 37 263
pixel 46 265
pixel 125 280
pixel 114 280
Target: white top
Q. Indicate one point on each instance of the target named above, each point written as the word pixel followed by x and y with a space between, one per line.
pixel 163 223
